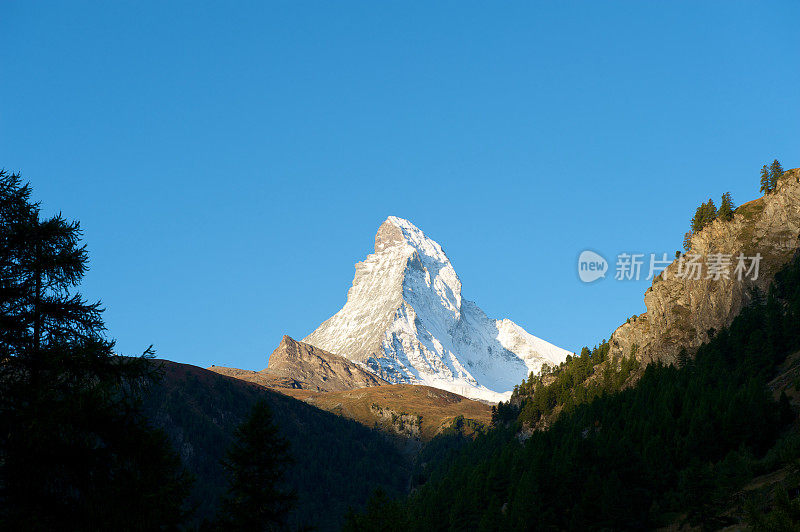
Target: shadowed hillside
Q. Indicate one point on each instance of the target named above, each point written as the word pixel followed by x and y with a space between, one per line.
pixel 338 463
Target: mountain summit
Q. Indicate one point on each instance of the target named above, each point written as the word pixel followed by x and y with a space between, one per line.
pixel 405 320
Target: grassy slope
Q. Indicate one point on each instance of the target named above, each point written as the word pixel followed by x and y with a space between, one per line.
pixel 417 411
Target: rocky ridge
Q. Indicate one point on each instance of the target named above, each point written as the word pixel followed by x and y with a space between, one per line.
pixel 318 369
pixel 685 312
pixel 298 365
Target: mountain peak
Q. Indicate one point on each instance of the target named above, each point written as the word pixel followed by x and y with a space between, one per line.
pixel 389 234
pixel 397 230
pixel 405 319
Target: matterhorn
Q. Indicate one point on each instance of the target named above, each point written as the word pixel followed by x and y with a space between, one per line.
pixel 406 321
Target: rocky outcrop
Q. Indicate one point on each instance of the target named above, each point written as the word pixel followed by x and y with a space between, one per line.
pixel 317 369
pixel 301 366
pixel 685 312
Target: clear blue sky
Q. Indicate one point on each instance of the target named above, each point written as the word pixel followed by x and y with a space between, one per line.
pixel 231 161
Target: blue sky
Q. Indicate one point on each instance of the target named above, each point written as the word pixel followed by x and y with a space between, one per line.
pixel 230 162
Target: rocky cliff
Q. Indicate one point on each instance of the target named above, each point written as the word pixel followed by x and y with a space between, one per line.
pixel 301 366
pixel 683 312
pixel 317 369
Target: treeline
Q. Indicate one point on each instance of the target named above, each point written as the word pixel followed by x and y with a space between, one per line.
pixel 576 381
pixel 678 445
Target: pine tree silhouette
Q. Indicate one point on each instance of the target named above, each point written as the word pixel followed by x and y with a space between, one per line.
pixel 256 464
pixel 75 452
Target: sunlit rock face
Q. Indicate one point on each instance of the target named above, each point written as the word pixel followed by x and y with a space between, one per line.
pixel 685 312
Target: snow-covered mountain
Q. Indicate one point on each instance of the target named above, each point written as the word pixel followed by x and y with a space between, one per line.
pixel 405 320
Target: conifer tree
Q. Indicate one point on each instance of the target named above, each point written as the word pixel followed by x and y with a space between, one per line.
pixel 726 207
pixel 775 172
pixel 710 213
pixel 697 219
pixel 256 465
pixel 683 358
pixel 75 452
pixel 765 180
pixel 704 215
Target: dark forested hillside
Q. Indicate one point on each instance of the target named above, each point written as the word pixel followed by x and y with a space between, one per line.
pixel 679 445
pixel 337 463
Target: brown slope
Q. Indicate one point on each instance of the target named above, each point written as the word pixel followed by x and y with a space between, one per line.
pixel 412 411
pixel 258 377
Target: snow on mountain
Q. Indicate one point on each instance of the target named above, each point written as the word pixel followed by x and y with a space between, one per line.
pixel 405 320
